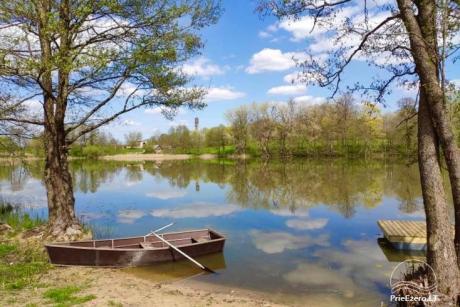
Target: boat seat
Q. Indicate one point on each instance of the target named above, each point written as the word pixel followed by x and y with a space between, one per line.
pixel 148 245
pixel 201 239
pixel 156 244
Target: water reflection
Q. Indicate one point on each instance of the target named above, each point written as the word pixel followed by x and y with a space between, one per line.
pixel 307 224
pixel 278 242
pixel 129 216
pixel 196 210
pixel 340 185
pixel 396 255
pixel 178 270
pixel 303 231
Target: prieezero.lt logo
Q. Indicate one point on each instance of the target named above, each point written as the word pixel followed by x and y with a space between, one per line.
pixel 417 288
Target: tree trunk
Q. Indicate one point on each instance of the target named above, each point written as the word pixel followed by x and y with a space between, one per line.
pixel 423 40
pixel 62 222
pixel 441 250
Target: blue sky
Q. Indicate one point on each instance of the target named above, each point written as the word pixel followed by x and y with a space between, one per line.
pixel 248 59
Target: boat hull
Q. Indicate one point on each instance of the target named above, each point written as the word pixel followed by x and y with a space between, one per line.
pixel 106 253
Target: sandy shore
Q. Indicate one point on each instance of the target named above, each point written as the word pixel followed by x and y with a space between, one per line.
pixel 114 287
pixel 18 159
pixel 155 157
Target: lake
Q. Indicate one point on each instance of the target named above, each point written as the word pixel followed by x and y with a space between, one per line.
pixel 298 232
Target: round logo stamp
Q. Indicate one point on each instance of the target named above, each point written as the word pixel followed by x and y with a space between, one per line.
pixel 409 282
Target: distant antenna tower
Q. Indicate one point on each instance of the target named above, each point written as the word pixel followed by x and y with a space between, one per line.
pixel 197 122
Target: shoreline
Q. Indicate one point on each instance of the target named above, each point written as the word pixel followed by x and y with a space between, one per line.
pixel 158 157
pixel 113 287
pixel 135 157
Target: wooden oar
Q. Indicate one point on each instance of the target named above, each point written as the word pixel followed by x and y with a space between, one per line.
pixel 204 268
pixel 159 229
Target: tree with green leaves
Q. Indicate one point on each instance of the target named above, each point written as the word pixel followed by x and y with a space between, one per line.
pixel 83 64
pixel 217 137
pixel 133 138
pixel 239 127
pixel 262 126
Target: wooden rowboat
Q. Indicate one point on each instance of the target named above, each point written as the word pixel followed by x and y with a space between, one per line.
pixel 136 251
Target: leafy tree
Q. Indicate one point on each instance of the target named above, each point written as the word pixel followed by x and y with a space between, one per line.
pixel 285 116
pixel 217 137
pixel 86 63
pixel 133 139
pixel 344 109
pixel 239 127
pixel 262 126
pixel 407 111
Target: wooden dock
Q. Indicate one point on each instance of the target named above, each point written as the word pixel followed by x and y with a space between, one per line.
pixel 410 235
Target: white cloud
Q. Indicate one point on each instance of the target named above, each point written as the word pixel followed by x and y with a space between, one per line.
pixel 167 194
pixel 268 32
pixel 196 210
pixel 264 34
pixel 309 100
pixel 90 91
pixel 307 224
pixel 129 88
pixel 26 193
pixel 159 110
pixel 314 275
pixel 301 28
pixel 277 242
pixel 287 212
pixel 33 105
pixel 131 183
pixel 272 28
pixel 202 67
pixel 223 93
pixel 360 260
pixel 130 122
pixel 272 60
pixel 325 38
pixel 456 83
pixel 358 269
pixel 304 27
pixel 293 89
pixel 89 216
pixel 175 123
pixel 292 78
pixel 129 216
pixel 327 44
pixel 153 111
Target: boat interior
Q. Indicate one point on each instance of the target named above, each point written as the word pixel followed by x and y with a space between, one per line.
pixel 150 241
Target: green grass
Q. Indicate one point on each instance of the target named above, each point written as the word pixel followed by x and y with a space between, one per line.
pixel 6 249
pixel 20 275
pixel 21 222
pixel 65 296
pixel 17 220
pixel 20 265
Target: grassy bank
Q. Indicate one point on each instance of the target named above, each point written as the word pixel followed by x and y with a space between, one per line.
pixel 21 260
pixel 23 263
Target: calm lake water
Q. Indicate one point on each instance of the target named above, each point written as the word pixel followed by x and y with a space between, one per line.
pixel 299 232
